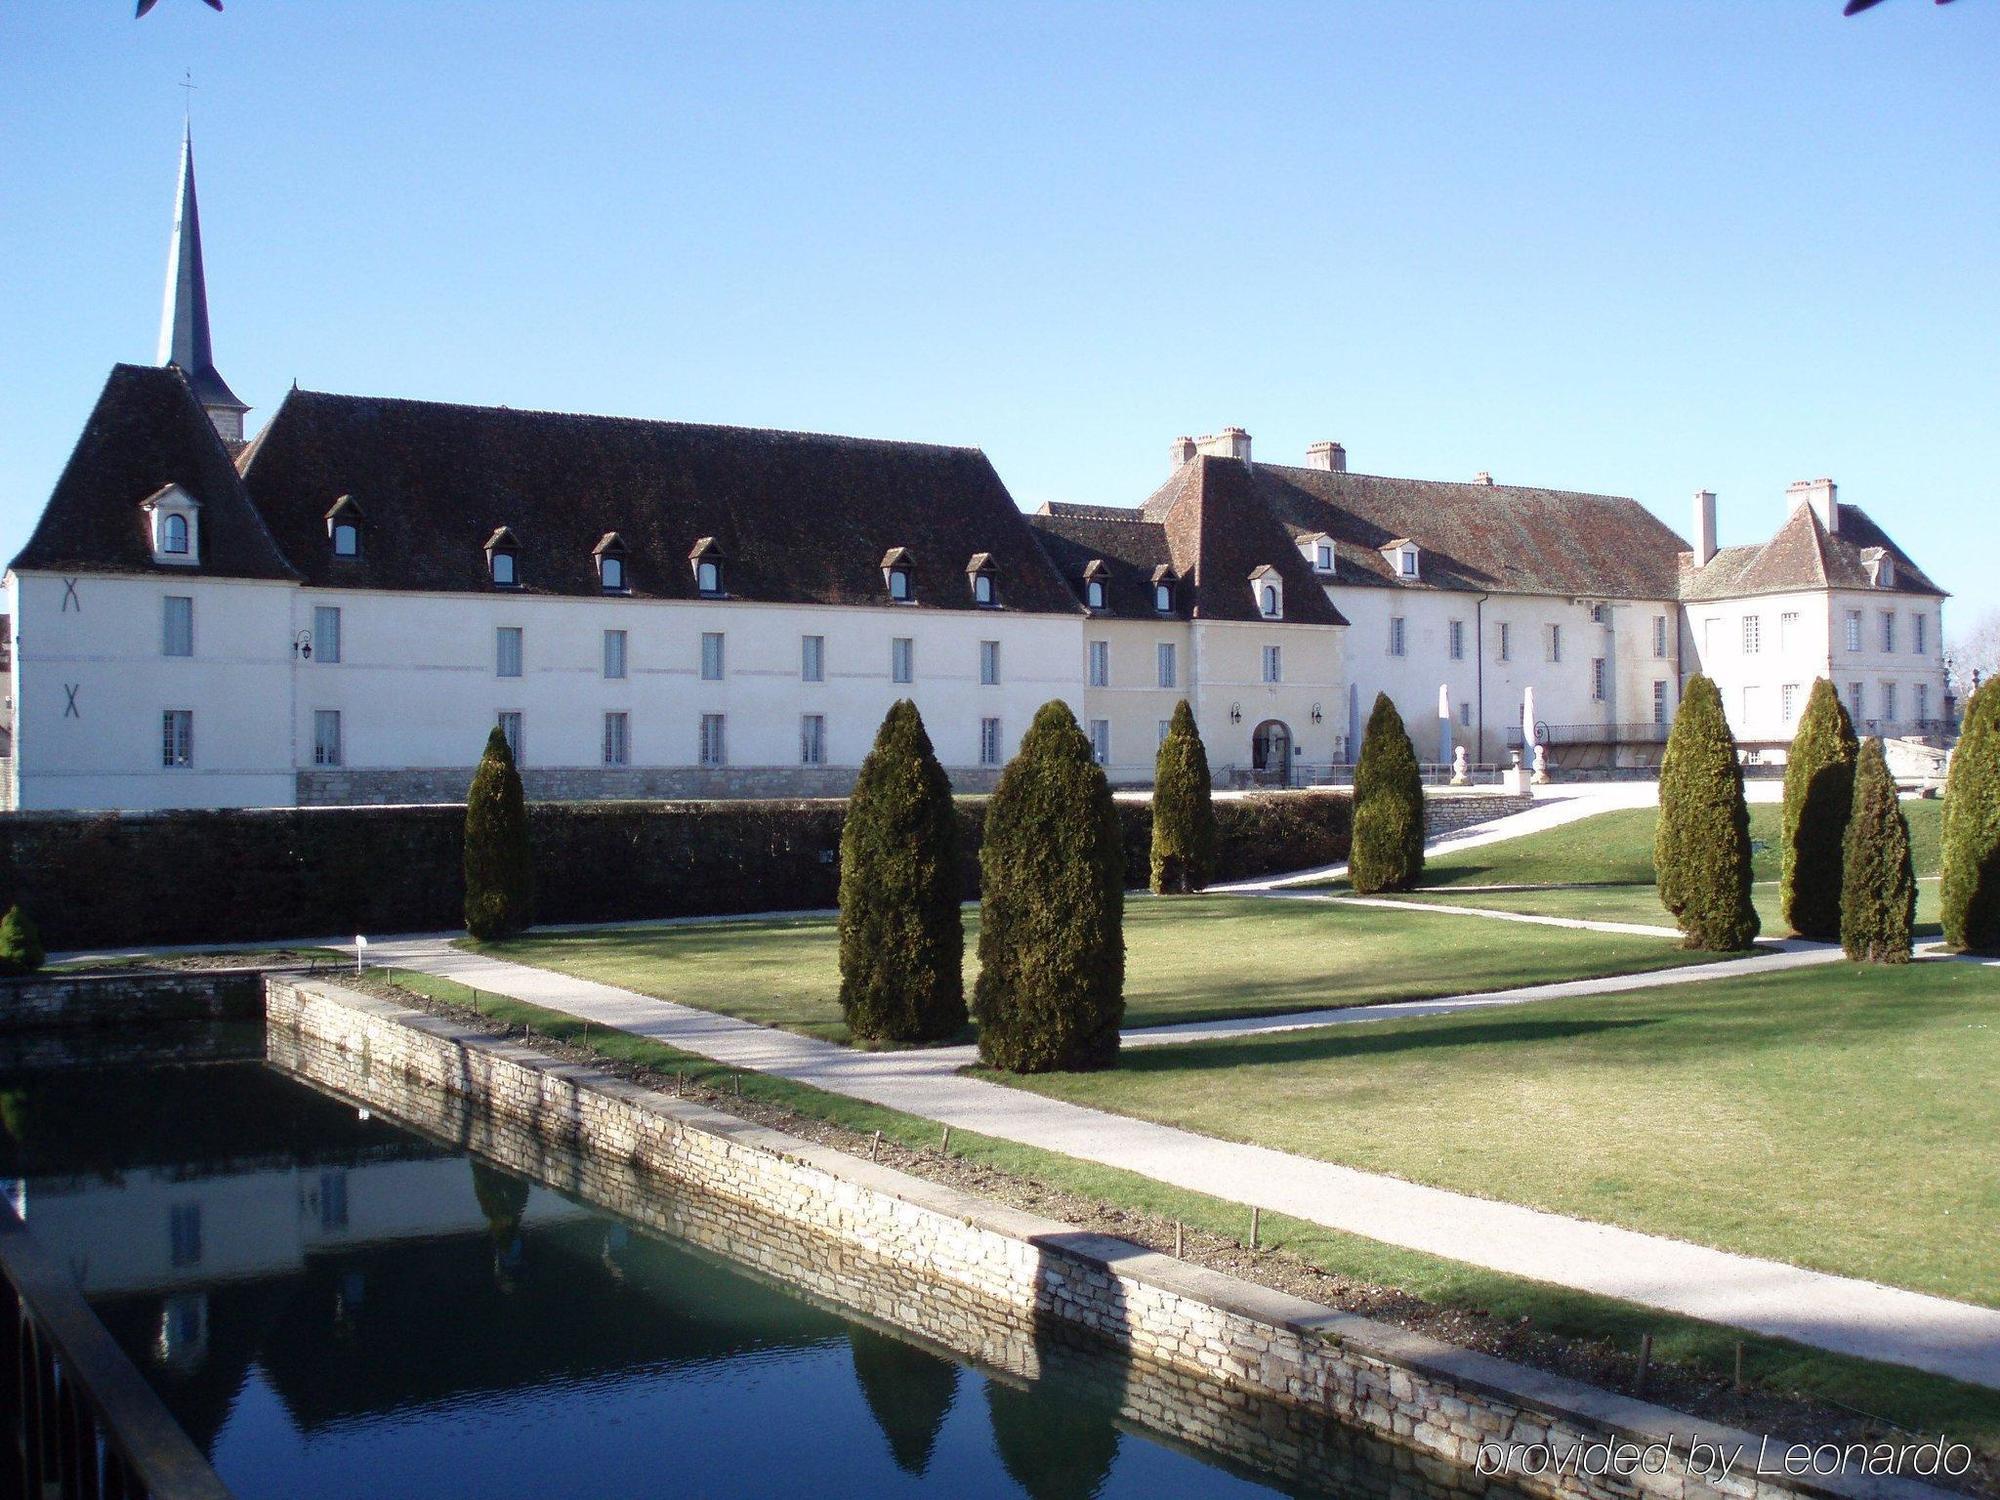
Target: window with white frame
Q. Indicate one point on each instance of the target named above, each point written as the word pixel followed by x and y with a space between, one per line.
pixel 326 634
pixel 1923 702
pixel 1274 664
pixel 1888 630
pixel 1093 593
pixel 1920 634
pixel 1854 630
pixel 177 737
pixel 1856 700
pixel 1788 702
pixel 1598 684
pixel 711 656
pixel 902 584
pixel 708 577
pixel 812 740
pixel 326 736
pixel 514 733
pixel 1166 728
pixel 1323 556
pixel 507 651
pixel 1659 702
pixel 1406 562
pixel 1100 664
pixel 1169 665
pixel 1788 630
pixel 1457 640
pixel 1753 703
pixel 982 589
pixel 1163 597
pixel 614 654
pixel 1660 636
pixel 177 626
pixel 1270 601
pixel 1555 643
pixel 713 750
pixel 903 659
pixel 611 573
pixel 1888 702
pixel 617 739
pixel 346 539
pixel 1398 636
pixel 1597 613
pixel 812 658
pixel 989 742
pixel 174 534
pixel 1753 634
pixel 989 663
pixel 501 563
pixel 1100 741
pixel 1505 649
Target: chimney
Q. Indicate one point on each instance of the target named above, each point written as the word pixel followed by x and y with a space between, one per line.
pixel 1704 527
pixel 1231 442
pixel 1329 456
pixel 1182 449
pixel 1482 477
pixel 1820 495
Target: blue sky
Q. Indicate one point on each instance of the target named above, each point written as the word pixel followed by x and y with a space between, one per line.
pixel 1633 247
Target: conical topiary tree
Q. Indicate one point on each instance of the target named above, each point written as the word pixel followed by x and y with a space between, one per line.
pixel 1183 809
pixel 20 943
pixel 1878 892
pixel 1970 891
pixel 1819 791
pixel 902 937
pixel 1388 844
pixel 1051 990
pixel 1701 850
pixel 499 866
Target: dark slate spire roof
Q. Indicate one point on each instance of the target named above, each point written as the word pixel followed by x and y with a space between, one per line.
pixel 797 518
pixel 184 317
pixel 147 431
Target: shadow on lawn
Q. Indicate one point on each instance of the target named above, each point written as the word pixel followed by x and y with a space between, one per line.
pixel 1356 1042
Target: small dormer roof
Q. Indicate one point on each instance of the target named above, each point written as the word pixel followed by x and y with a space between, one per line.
pixel 982 562
pixel 170 494
pixel 611 541
pixel 1097 567
pixel 706 546
pixel 1397 542
pixel 1263 570
pixel 1165 573
pixel 346 507
pixel 1316 537
pixel 502 537
pixel 898 557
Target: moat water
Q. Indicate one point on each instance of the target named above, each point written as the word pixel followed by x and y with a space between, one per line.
pixel 334 1305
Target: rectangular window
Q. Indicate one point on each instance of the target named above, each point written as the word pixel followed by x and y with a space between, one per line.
pixel 1458 640
pixel 1274 664
pixel 1753 704
pixel 1597 683
pixel 507 651
pixel 1711 638
pixel 1888 703
pixel 177 737
pixel 1555 643
pixel 617 740
pixel 711 656
pixel 326 737
pixel 1597 614
pixel 989 742
pixel 1923 702
pixel 1854 630
pixel 1166 728
pixel 1788 630
pixel 1920 634
pixel 184 1234
pixel 713 750
pixel 1788 702
pixel 1506 652
pixel 1398 635
pixel 333 1200
pixel 1169 665
pixel 326 634
pixel 903 659
pixel 1100 741
pixel 1855 700
pixel 812 658
pixel 1100 664
pixel 989 663
pixel 177 629
pixel 1465 715
pixel 510 730
pixel 614 654
pixel 1660 637
pixel 812 740
pixel 1888 630
pixel 1659 703
pixel 1753 634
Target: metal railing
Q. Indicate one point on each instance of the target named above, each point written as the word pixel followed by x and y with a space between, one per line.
pixel 1647 733
pixel 82 1424
pixel 1341 773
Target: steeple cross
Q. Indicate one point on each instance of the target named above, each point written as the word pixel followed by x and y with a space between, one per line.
pixel 187 86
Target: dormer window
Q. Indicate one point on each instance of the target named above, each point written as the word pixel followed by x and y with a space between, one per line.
pixel 503 559
pixel 985 587
pixel 173 517
pixel 1401 555
pixel 610 555
pixel 1317 549
pixel 343 528
pixel 1881 567
pixel 1269 590
pixel 899 576
pixel 1163 590
pixel 1097 585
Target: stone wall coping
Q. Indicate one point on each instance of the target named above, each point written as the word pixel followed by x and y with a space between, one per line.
pixel 1555 1395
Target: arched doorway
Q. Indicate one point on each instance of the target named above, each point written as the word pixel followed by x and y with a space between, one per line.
pixel 1271 747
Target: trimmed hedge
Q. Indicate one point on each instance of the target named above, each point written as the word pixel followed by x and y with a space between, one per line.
pixel 499 855
pixel 1819 795
pixel 101 880
pixel 1388 806
pixel 1971 887
pixel 1878 897
pixel 1701 848
pixel 1184 809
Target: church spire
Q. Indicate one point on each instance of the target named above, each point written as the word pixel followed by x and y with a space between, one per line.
pixel 184 315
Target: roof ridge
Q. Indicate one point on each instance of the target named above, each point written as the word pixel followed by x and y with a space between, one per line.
pixel 1467 484
pixel 586 416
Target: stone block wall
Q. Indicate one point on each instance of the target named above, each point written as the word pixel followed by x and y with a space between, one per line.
pixel 1447 812
pixel 361 786
pixel 40 1001
pixel 998 1285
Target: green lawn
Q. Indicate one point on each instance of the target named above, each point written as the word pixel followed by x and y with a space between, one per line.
pixel 1641 903
pixel 1190 958
pixel 1911 1398
pixel 1840 1117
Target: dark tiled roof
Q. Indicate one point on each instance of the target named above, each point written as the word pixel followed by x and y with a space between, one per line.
pixel 147 431
pixel 1509 538
pixel 1802 555
pixel 1131 548
pixel 798 517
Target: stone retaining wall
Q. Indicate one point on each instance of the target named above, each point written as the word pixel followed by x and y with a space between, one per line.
pixel 988 1280
pixel 364 786
pixel 38 1001
pixel 1447 812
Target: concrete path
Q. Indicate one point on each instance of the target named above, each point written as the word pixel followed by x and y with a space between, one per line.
pixel 1828 1312
pixel 1533 919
